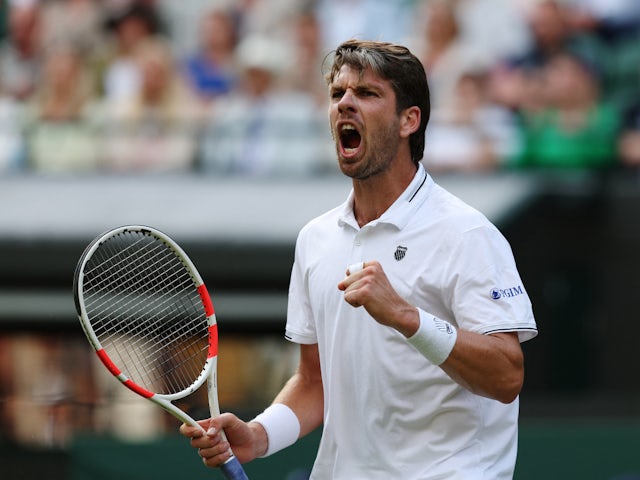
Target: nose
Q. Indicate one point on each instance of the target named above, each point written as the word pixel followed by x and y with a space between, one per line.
pixel 347 102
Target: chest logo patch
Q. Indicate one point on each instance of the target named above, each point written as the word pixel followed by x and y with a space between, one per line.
pixel 400 253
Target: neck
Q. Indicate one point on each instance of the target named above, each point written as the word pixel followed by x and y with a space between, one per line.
pixel 374 196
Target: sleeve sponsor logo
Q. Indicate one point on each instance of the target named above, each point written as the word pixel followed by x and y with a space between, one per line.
pixel 498 293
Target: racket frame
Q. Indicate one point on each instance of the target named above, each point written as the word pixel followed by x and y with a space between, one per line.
pixel 231 468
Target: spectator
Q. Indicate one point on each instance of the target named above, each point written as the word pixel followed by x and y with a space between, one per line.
pixel 128 26
pixel 498 28
pixel 61 128
pixel 516 89
pixel 552 33
pixel 155 128
pixel 263 129
pixel 180 20
pixel 211 69
pixel 472 133
pixel 307 40
pixel 20 54
pixel 364 19
pixel 266 18
pixel 73 21
pixel 611 20
pixel 443 51
pixel 550 26
pixel 576 129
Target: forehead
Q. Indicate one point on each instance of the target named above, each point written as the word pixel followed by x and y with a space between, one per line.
pixel 350 76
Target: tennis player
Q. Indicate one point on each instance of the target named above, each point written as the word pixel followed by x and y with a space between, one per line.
pixel 406 303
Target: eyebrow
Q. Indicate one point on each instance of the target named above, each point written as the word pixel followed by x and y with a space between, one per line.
pixel 359 87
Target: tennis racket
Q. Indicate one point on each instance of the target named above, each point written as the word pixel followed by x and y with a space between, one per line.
pixel 147 313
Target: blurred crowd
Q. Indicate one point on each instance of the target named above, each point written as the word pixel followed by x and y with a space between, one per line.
pixel 235 87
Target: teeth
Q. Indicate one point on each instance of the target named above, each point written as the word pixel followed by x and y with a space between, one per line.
pixel 344 129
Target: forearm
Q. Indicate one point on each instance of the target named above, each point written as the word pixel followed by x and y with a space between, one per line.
pixel 305 397
pixel 297 409
pixel 488 365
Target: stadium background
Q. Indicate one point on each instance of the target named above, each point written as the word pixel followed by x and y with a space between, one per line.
pixel 575 233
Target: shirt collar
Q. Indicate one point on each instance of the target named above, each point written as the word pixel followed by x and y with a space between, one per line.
pixel 399 213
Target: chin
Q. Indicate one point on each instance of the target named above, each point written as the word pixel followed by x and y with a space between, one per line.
pixel 348 166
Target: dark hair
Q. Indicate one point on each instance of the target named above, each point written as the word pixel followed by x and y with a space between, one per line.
pixel 401 68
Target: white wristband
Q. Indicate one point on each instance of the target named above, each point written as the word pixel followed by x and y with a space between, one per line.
pixel 282 427
pixel 434 339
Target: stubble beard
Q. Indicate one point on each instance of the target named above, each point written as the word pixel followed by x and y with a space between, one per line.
pixel 378 157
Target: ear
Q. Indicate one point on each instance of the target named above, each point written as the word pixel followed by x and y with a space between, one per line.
pixel 409 121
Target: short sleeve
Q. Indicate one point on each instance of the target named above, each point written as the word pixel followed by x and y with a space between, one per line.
pixel 300 326
pixel 488 293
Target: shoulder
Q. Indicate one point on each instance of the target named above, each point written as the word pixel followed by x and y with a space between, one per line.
pixel 322 224
pixel 457 230
pixel 450 211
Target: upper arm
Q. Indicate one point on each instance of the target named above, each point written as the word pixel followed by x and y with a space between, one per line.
pixel 309 365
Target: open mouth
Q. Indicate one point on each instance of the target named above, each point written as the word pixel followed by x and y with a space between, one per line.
pixel 350 139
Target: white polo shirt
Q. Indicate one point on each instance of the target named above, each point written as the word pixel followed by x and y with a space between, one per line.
pixel 388 412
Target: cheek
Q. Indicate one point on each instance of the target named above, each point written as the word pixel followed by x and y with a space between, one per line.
pixel 331 118
pixel 332 111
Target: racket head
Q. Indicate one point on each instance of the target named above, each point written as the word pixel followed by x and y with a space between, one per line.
pixel 146 311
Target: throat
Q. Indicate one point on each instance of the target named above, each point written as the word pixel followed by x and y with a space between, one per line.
pixel 367 212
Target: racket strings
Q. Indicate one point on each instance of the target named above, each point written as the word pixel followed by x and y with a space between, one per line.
pixel 146 341
pixel 146 312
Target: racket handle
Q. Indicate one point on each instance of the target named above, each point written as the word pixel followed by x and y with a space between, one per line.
pixel 232 470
